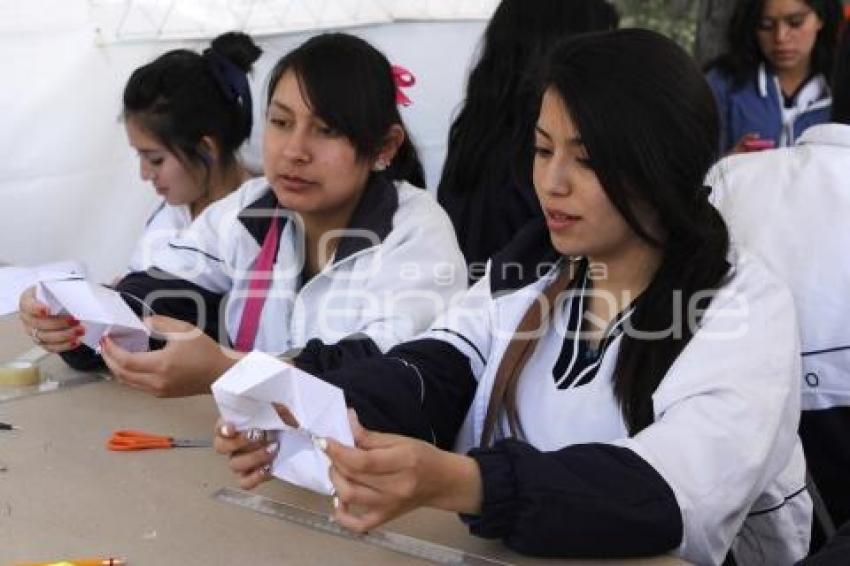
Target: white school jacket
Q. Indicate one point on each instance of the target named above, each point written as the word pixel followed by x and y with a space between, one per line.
pixel 726 413
pixel 791 207
pixel 397 268
pixel 161 226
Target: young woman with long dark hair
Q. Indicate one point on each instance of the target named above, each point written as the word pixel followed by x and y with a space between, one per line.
pixel 633 388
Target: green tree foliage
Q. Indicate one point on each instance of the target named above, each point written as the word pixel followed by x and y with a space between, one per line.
pixel 674 18
pixel 697 25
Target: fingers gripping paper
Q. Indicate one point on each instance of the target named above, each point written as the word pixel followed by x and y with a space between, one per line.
pixel 245 393
pixel 99 309
pixel 14 280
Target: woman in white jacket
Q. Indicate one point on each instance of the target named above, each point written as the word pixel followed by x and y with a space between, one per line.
pixel 334 244
pixel 790 208
pixel 186 114
pixel 657 411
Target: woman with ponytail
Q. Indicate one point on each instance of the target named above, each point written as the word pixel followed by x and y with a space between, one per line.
pixel 187 114
pixel 621 383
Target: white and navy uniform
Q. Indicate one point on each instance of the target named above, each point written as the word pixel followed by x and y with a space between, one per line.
pixel 395 269
pixel 790 207
pixel 166 222
pixel 719 469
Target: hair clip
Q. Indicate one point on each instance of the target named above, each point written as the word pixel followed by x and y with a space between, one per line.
pixel 403 79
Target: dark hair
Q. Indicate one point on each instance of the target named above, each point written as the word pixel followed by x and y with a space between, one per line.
pixel 744 55
pixel 182 96
pixel 841 80
pixel 350 85
pixel 651 142
pixel 500 106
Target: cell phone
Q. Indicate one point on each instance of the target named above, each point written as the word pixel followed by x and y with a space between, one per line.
pixel 758 144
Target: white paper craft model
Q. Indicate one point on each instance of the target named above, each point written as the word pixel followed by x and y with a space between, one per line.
pixel 245 393
pixel 99 309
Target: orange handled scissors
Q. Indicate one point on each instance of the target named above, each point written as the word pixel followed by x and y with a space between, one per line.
pixel 125 440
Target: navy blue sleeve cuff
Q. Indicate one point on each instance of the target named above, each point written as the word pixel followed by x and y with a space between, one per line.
pixel 583 501
pixel 499 506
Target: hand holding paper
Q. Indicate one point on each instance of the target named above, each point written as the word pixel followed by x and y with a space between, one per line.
pixel 99 309
pixel 14 280
pixel 245 393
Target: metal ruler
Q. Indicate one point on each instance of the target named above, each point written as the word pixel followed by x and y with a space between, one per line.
pixel 396 542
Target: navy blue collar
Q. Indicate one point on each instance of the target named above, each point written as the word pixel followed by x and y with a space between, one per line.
pixel 526 259
pixel 373 215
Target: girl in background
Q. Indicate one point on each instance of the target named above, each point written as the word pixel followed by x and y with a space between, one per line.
pixel 486 180
pixel 773 83
pixel 187 115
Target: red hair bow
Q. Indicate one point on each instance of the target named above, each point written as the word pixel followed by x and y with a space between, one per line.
pixel 403 79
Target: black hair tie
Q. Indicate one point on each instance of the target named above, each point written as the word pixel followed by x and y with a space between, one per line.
pixel 233 83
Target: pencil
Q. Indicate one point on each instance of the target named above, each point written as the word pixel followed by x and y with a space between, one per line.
pixel 79 562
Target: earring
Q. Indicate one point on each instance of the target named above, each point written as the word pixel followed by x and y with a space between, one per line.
pixel 380 164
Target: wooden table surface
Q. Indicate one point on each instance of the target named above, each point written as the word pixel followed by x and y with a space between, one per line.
pixel 64 495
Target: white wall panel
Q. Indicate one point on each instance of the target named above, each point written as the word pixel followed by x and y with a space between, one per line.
pixel 69 186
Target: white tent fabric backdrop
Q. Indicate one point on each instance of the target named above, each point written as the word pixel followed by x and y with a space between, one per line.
pixel 69 183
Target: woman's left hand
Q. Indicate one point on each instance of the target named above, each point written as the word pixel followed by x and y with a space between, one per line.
pixel 188 364
pixel 387 475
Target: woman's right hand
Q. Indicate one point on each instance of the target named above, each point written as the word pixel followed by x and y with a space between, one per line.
pixel 250 455
pixel 249 458
pixel 54 333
